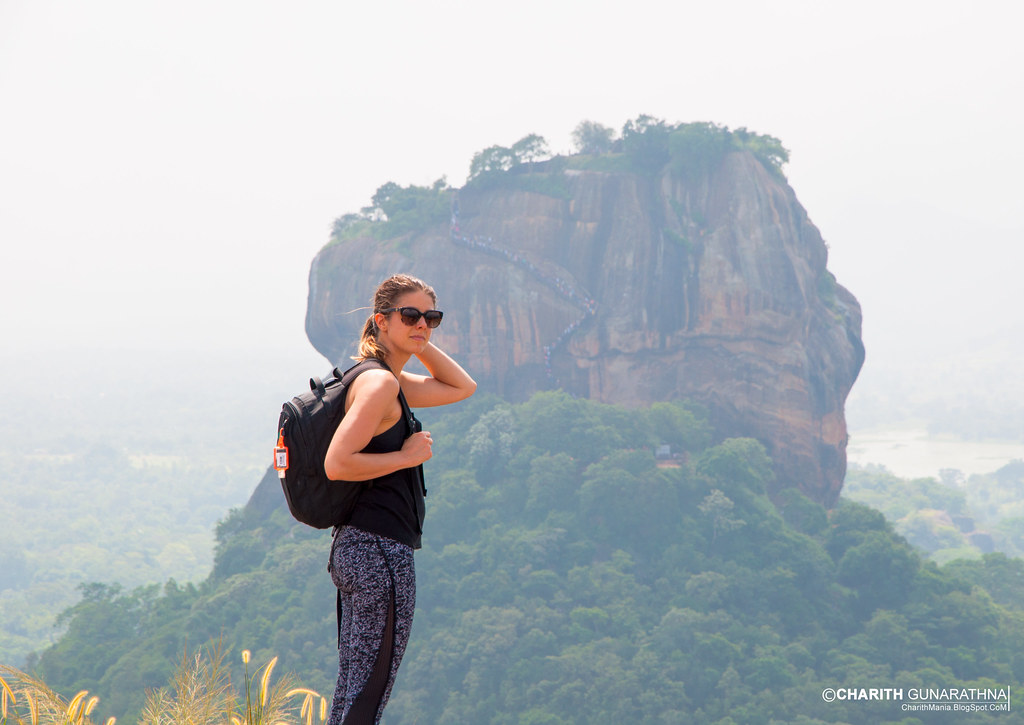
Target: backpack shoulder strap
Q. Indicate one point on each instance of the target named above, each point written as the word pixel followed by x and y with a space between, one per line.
pixel 360 367
pixel 370 364
pixel 410 419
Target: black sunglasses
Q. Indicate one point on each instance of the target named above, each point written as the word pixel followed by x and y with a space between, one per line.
pixel 410 315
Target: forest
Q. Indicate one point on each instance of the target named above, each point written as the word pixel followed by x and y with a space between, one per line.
pixel 585 563
pixel 98 488
pixel 951 517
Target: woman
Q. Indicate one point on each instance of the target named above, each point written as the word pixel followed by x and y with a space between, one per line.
pixel 379 440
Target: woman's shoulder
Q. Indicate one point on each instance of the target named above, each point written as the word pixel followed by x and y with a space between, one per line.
pixel 374 382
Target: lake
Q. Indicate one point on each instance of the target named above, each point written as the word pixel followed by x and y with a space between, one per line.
pixel 911 452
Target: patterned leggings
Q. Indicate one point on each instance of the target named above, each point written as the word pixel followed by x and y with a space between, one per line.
pixel 377 582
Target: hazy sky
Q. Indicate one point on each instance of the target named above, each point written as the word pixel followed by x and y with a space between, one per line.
pixel 168 170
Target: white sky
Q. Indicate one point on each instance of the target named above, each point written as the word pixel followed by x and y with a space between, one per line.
pixel 168 170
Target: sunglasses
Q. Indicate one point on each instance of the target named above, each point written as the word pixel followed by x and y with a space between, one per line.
pixel 410 316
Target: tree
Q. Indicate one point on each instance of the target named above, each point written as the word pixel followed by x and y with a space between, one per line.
pixel 997 573
pixel 676 424
pixel 738 466
pixel 497 159
pixel 593 138
pixel 768 149
pixel 552 484
pixel 718 508
pixel 384 195
pixel 15 573
pixel 878 569
pixel 492 159
pixel 849 523
pixel 645 141
pixel 800 512
pixel 696 148
pixel 529 149
pixel 492 441
pixel 409 208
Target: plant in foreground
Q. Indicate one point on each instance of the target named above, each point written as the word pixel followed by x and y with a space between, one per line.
pixel 200 693
pixel 26 700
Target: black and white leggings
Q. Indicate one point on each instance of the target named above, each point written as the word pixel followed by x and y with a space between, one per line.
pixel 377 582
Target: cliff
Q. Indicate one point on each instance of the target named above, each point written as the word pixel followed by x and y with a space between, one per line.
pixel 632 288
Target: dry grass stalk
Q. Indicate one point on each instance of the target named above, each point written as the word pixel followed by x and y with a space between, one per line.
pixel 27 700
pixel 200 693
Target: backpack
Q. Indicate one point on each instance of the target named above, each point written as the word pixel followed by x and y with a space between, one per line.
pixel 305 429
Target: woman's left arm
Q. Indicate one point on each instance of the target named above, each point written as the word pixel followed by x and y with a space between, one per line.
pixel 447 383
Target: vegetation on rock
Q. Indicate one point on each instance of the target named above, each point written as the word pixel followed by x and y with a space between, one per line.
pixel 646 145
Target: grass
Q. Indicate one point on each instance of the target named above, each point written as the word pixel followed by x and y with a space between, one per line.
pixel 26 700
pixel 200 693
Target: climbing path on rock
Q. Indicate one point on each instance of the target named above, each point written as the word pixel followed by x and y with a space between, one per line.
pixel 562 286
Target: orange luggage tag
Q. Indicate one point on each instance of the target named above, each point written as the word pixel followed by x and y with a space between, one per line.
pixel 281 455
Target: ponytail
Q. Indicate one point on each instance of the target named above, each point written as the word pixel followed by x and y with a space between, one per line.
pixel 369 346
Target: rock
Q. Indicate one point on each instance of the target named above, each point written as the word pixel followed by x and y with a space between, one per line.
pixel 632 289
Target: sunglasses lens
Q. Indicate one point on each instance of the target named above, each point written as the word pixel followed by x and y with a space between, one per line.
pixel 410 315
pixel 433 317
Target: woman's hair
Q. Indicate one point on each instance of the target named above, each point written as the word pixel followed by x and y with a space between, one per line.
pixel 384 298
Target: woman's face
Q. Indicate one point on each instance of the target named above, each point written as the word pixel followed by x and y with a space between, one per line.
pixel 398 336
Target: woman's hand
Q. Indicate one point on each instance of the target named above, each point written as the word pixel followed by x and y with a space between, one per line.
pixel 418 448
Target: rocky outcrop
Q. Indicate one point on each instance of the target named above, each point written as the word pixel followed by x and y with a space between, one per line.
pixel 632 289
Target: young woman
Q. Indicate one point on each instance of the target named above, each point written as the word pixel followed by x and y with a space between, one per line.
pixel 380 441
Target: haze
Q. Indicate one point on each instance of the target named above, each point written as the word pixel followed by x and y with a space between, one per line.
pixel 169 170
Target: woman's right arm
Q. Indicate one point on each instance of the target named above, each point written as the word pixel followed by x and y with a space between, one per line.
pixel 374 394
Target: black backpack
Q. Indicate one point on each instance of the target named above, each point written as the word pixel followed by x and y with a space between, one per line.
pixel 305 429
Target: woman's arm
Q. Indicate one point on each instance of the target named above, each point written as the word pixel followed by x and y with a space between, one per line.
pixel 447 383
pixel 374 400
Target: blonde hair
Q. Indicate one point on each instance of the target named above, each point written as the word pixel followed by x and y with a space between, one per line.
pixel 384 298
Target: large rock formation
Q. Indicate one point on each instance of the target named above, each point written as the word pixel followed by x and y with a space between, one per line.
pixel 630 289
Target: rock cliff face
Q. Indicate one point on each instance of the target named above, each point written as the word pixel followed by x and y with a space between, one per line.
pixel 630 289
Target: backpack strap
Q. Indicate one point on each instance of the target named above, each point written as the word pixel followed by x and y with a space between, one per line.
pixel 356 370
pixel 330 569
pixel 410 421
pixel 345 379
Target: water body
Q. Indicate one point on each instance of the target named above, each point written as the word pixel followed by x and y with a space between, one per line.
pixel 909 451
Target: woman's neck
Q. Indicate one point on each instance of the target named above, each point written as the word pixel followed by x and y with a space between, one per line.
pixel 396 361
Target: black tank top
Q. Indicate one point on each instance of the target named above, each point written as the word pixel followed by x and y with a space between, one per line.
pixel 392 505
